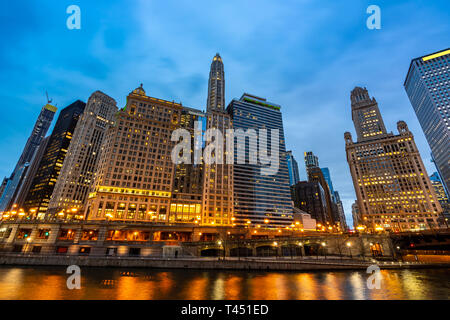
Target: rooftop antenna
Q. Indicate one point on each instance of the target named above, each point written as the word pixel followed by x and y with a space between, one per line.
pixel 48 100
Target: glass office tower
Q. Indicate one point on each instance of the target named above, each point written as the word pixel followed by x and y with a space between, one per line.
pixel 13 183
pixel 260 199
pixel 294 175
pixel 428 87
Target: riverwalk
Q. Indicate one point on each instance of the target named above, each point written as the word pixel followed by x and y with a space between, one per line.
pixel 205 263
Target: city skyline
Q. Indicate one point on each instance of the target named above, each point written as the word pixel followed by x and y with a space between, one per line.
pixel 357 62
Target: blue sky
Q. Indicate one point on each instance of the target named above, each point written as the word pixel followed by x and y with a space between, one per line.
pixel 304 55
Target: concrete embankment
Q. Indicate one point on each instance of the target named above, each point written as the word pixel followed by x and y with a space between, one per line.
pixel 248 264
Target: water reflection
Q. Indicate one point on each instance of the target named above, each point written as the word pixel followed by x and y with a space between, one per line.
pixel 108 284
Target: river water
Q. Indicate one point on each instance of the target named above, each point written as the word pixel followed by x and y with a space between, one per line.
pixel 124 284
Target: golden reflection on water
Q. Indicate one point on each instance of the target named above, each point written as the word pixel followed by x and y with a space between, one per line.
pixel 267 287
pixel 233 288
pixel 50 283
pixel 197 288
pixel 358 285
pixel 333 287
pixel 306 287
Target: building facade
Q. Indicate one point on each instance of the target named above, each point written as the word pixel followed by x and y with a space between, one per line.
pixel 77 173
pixel 355 215
pixel 135 172
pixel 187 193
pixel 327 175
pixel 441 195
pixel 393 189
pixel 218 175
pixel 341 212
pixel 310 197
pixel 311 161
pixel 260 199
pixel 428 87
pixel 22 192
pixel 47 174
pixel 292 164
pixel 216 85
pixel 13 183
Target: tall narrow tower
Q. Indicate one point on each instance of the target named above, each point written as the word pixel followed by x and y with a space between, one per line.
pixel 218 176
pixel 40 129
pixel 366 115
pixel 216 85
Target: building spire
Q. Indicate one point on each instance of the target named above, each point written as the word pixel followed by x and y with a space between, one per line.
pixel 216 85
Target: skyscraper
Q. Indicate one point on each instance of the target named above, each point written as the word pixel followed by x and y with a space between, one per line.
pixel 341 212
pixel 13 183
pixel 316 175
pixel 259 197
pixel 216 85
pixel 135 171
pixel 310 197
pixel 311 161
pixel 187 193
pixel 80 163
pixel 355 215
pixel 50 166
pixel 327 176
pixel 218 176
pixel 392 187
pixel 366 116
pixel 292 164
pixel 440 194
pixel 428 87
pixel 22 192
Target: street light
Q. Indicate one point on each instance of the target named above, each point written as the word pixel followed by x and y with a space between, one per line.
pixel 223 248
pixel 324 250
pixel 349 245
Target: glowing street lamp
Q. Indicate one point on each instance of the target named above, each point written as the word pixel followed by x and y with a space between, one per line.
pixel 349 246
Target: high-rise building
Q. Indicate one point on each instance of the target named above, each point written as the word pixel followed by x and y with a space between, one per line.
pixel 135 171
pixel 393 189
pixel 259 198
pixel 50 165
pixel 292 164
pixel 441 195
pixel 80 163
pixel 218 176
pixel 428 87
pixel 311 161
pixel 355 215
pixel 187 193
pixel 327 176
pixel 216 85
pixel 438 188
pixel 366 116
pixel 315 174
pixel 13 183
pixel 310 197
pixel 341 212
pixel 22 192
